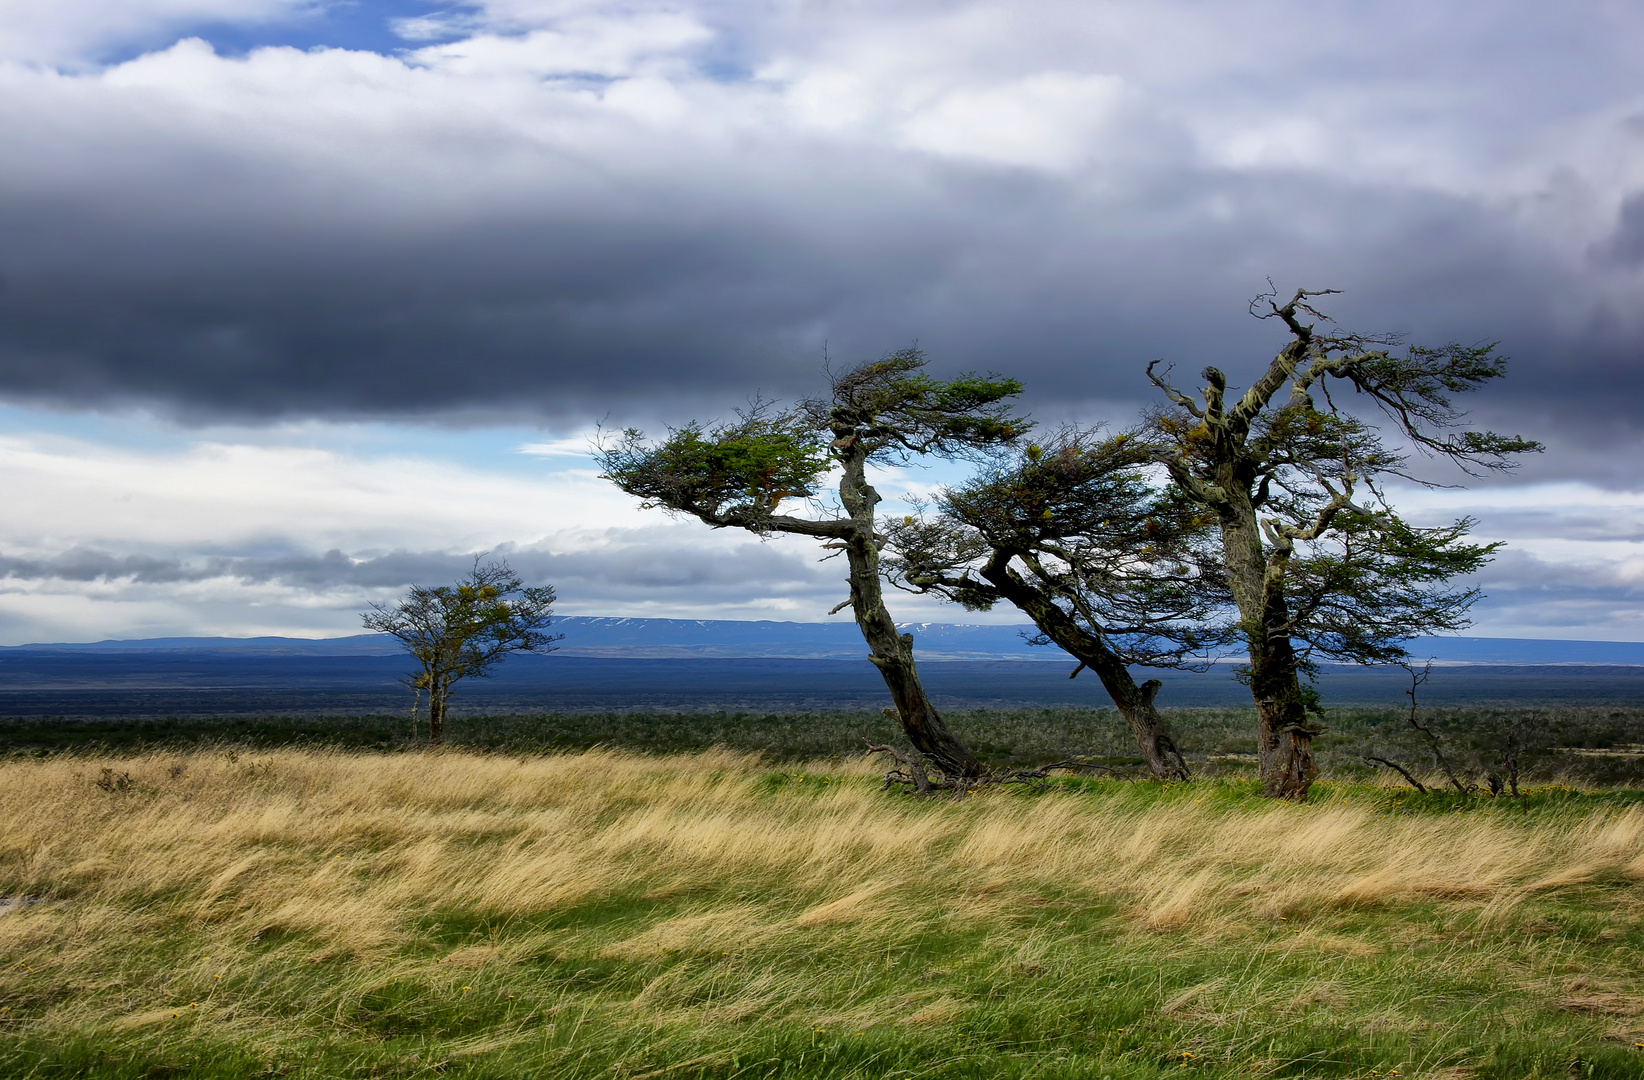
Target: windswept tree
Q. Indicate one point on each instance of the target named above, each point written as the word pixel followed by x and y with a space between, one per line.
pixel 465 630
pixel 1318 563
pixel 1110 567
pixel 769 470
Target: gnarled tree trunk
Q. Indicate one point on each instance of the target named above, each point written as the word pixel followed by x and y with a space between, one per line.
pixel 1163 756
pixel 1284 741
pixel 891 651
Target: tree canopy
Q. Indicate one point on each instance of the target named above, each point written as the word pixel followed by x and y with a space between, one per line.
pixel 1318 562
pixel 770 471
pixel 461 631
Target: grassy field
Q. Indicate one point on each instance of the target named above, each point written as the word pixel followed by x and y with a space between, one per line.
pixel 319 913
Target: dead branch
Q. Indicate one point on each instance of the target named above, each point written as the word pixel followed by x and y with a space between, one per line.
pixel 1416 682
pixel 912 775
pixel 1171 392
pixel 915 779
pixel 1396 767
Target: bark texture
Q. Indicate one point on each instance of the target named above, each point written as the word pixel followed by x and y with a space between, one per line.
pixel 890 650
pixel 1221 466
pixel 437 697
pixel 1284 740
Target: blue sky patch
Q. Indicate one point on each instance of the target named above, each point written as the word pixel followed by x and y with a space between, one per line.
pixel 373 26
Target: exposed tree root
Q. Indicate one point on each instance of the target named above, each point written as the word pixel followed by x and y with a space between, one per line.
pixel 913 776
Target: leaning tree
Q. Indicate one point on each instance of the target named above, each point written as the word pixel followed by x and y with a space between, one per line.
pixel 1318 563
pixel 768 471
pixel 1111 567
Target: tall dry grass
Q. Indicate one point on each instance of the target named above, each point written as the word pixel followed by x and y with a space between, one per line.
pixel 350 846
pixel 162 880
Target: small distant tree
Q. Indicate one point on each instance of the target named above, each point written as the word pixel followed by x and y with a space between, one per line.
pixel 1111 567
pixel 769 471
pixel 465 630
pixel 1318 563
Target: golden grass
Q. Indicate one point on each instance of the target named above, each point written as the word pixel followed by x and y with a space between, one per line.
pixel 349 847
pixel 347 855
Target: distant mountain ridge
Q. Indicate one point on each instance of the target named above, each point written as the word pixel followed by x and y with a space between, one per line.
pixel 728 639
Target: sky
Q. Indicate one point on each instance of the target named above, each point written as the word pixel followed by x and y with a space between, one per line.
pixel 305 300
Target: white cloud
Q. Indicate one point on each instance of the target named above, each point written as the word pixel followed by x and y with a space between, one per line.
pixel 1573 565
pixel 574 447
pixel 1025 85
pixel 260 536
pixel 294 531
pixel 1044 121
pixel 436 27
pixel 67 493
pixel 609 47
pixel 608 108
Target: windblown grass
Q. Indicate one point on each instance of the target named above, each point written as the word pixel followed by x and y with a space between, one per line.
pixel 602 914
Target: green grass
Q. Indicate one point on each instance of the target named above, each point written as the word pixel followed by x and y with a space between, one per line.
pixel 1062 996
pixel 1087 928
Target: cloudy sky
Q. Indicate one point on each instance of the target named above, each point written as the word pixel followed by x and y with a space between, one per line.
pixel 302 300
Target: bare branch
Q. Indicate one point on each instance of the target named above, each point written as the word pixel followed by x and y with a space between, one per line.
pixel 1416 682
pixel 1171 392
pixel 1396 767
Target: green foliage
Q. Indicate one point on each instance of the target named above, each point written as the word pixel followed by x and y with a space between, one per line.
pixel 1415 392
pixel 1078 486
pixel 1078 519
pixel 741 473
pixel 466 629
pixel 1431 374
pixel 460 631
pixel 894 409
pixel 737 473
pixel 1375 581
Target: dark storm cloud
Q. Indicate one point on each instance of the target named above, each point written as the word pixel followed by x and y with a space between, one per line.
pixel 172 238
pixel 559 317
pixel 1626 245
pixel 533 317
